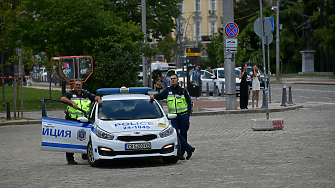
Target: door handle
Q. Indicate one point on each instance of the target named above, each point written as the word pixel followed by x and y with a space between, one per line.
pixel 49 125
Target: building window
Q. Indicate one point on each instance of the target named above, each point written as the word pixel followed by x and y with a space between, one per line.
pixel 197 3
pixel 213 29
pixel 199 30
pixel 213 4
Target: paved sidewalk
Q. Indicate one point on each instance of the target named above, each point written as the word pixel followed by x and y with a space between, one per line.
pixel 204 106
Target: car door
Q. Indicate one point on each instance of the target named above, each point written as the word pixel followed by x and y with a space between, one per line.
pixel 206 78
pixel 62 135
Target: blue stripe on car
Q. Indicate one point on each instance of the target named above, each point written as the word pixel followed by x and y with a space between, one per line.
pixel 58 145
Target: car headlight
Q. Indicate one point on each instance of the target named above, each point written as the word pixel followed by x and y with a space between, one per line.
pixel 166 132
pixel 103 134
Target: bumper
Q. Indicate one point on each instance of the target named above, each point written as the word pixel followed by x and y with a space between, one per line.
pixel 117 148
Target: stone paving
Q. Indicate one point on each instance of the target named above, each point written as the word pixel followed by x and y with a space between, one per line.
pixel 228 154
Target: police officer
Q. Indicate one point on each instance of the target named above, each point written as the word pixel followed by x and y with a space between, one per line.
pixel 180 103
pixel 79 98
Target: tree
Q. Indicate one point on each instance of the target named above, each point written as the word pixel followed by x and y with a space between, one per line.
pixel 169 48
pixel 159 14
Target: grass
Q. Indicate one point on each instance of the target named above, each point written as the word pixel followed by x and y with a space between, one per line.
pixel 31 98
pixel 308 75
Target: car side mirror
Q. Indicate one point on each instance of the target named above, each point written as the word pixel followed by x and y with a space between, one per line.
pixel 171 116
pixel 82 119
pixel 213 77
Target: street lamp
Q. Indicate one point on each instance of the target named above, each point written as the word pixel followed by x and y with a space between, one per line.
pixel 276 8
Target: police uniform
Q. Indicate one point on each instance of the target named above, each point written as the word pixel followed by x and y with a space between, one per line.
pixel 83 101
pixel 180 103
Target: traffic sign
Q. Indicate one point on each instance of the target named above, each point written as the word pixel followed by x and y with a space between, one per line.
pixel 269 38
pixel 231 43
pixel 231 30
pixel 272 26
pixel 258 26
pixel 231 50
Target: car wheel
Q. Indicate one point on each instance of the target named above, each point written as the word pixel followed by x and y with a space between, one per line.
pixel 90 156
pixel 174 159
pixel 84 156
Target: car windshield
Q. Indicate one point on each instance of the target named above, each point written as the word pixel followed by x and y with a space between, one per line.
pixel 221 73
pixel 129 109
pixel 180 73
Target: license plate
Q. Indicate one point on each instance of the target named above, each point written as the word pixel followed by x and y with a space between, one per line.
pixel 138 146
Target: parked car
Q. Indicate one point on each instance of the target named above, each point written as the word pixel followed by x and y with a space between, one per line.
pixel 220 79
pixel 209 78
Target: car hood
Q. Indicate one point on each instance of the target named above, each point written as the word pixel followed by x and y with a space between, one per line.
pixel 134 125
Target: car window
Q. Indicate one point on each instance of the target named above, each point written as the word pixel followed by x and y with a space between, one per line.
pixel 129 109
pixel 206 75
pixel 180 73
pixel 221 73
pixel 237 73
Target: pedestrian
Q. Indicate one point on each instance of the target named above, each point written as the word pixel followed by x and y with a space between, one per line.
pixel 178 95
pixel 255 75
pixel 243 87
pixel 78 98
pixel 249 63
pixel 209 68
pixel 159 84
pixel 196 79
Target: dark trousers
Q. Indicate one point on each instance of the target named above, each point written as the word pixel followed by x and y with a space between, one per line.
pixel 69 156
pixel 243 94
pixel 181 123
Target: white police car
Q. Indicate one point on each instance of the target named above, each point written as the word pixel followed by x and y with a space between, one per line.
pixel 124 126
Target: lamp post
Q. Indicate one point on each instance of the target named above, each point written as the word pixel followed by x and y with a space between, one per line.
pixel 277 43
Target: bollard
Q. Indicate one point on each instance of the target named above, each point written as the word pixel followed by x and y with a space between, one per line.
pixel 8 111
pixel 215 92
pixel 283 103
pixel 289 95
pixel 264 100
pixel 207 89
pixel 222 89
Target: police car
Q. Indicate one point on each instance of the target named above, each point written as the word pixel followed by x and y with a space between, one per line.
pixel 125 126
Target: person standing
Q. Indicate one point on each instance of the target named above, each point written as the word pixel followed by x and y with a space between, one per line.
pixel 196 79
pixel 255 75
pixel 79 98
pixel 159 84
pixel 243 87
pixel 179 102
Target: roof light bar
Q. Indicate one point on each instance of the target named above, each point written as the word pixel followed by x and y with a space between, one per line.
pixel 107 91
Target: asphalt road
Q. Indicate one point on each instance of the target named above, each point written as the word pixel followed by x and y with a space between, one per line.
pixel 228 153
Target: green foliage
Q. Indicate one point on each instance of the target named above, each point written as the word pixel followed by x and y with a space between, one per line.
pixel 169 48
pixel 328 35
pixel 31 98
pixel 159 14
pixel 8 16
pixel 115 68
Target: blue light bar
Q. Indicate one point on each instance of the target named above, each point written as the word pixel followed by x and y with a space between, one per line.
pixel 107 91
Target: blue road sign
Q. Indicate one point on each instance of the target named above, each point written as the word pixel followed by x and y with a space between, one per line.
pixel 272 26
pixel 231 30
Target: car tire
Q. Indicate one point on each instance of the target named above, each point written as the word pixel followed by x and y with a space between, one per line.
pixel 84 156
pixel 174 159
pixel 90 156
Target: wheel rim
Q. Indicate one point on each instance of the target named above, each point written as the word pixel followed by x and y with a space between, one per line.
pixel 90 153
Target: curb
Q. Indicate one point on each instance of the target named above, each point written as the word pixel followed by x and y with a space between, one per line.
pixel 248 111
pixel 203 113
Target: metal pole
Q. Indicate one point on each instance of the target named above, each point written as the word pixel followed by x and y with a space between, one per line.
pixel 144 59
pixel 277 43
pixel 262 32
pixel 321 27
pixel 267 41
pixel 196 24
pixel 229 60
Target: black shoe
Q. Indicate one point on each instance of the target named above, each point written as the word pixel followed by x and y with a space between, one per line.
pixel 182 158
pixel 189 153
pixel 72 162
